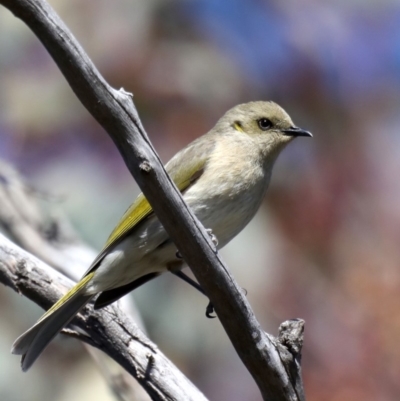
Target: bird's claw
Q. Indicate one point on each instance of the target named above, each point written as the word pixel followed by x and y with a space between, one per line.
pixel 213 238
pixel 210 310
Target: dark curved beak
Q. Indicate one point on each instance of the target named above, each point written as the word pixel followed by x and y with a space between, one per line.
pixel 296 131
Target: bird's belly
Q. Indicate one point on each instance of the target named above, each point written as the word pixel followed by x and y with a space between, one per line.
pixel 147 249
pixel 122 264
pixel 227 216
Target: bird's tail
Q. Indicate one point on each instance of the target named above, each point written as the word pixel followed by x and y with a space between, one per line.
pixel 31 343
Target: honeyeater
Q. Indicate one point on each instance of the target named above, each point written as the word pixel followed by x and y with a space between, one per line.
pixel 223 176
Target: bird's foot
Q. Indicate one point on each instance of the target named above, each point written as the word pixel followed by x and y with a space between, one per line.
pixel 210 311
pixel 213 238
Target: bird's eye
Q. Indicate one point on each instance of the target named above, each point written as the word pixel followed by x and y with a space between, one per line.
pixel 264 124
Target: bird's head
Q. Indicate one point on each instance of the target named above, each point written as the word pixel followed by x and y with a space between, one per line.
pixel 266 123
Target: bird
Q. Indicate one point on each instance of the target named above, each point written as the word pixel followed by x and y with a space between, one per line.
pixel 222 175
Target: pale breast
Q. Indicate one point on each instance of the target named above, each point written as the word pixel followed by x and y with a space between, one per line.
pixel 229 193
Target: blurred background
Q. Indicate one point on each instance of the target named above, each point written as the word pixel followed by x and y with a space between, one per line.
pixel 325 244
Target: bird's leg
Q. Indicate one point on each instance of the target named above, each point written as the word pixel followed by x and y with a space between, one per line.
pixel 187 279
pixel 194 284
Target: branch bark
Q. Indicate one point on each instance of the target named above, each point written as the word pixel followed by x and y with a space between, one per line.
pixel 115 111
pixel 109 330
pixel 50 237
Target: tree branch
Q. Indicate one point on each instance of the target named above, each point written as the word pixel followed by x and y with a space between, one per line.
pixel 115 111
pixel 51 238
pixel 109 330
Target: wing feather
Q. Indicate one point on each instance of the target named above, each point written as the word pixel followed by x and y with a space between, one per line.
pixel 194 157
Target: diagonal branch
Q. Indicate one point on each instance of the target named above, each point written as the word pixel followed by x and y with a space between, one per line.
pixel 115 111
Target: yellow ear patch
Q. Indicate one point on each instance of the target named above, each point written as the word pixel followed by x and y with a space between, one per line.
pixel 238 126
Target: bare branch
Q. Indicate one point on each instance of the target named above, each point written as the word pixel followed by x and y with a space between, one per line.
pixel 109 330
pixel 115 111
pixel 51 238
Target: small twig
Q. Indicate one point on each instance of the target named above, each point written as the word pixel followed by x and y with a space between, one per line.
pixel 291 336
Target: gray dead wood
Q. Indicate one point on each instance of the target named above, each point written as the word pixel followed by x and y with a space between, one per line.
pixel 109 330
pixel 49 236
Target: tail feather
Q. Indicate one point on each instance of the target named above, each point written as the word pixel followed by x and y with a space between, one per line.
pixel 31 343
